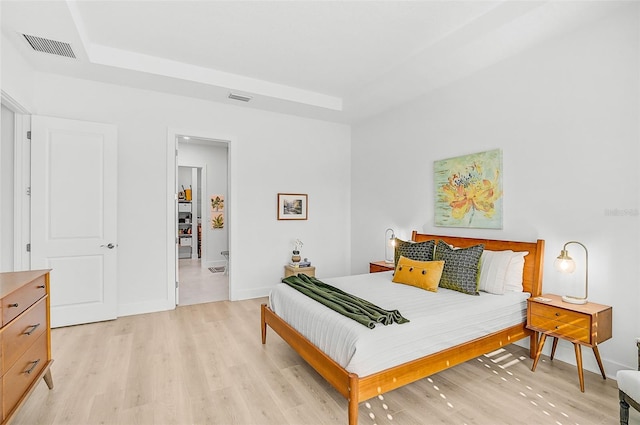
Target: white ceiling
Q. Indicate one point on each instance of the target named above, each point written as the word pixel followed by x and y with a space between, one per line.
pixel 336 60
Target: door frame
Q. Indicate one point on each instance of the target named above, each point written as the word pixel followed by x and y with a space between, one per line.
pixel 21 181
pixel 202 188
pixel 172 197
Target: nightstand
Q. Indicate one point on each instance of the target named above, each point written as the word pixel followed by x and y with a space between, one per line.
pixel 291 271
pixel 581 324
pixel 380 266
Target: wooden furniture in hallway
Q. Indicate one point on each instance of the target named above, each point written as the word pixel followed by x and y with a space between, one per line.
pixel 25 337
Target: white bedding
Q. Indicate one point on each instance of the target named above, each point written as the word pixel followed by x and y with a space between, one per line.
pixel 437 320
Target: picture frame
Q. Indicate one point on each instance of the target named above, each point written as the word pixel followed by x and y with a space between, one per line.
pixel 292 206
pixel 217 211
pixel 468 191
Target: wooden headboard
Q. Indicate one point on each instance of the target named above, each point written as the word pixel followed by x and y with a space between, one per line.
pixel 533 262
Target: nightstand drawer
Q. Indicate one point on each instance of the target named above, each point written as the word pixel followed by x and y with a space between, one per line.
pixel 564 329
pixel 564 316
pixel 381 266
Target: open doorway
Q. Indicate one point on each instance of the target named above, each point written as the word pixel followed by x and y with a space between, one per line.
pixel 202 271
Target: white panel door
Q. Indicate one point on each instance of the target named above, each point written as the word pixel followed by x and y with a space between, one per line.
pixel 73 216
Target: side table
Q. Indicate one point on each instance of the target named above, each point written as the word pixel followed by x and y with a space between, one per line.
pixel 380 266
pixel 581 324
pixel 291 271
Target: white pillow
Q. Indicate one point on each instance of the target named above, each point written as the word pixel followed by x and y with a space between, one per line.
pixel 493 271
pixel 513 277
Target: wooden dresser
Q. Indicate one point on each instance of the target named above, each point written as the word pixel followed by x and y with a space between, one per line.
pixel 25 337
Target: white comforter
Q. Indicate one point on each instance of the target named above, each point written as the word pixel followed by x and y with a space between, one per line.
pixel 437 320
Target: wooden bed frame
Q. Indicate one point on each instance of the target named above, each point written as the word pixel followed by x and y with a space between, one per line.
pixel 357 389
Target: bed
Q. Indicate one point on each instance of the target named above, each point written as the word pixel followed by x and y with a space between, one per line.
pixel 366 383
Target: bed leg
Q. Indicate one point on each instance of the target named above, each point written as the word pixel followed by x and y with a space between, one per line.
pixel 263 323
pixel 353 399
pixel 533 345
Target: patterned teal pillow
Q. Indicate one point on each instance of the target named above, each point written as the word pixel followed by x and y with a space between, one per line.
pixel 419 251
pixel 460 271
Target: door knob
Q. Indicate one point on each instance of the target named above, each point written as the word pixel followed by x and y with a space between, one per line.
pixel 110 246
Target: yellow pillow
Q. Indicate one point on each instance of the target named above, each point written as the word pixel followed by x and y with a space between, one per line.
pixel 421 274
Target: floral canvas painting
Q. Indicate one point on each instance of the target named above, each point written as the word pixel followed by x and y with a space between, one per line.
pixel 468 191
pixel 217 211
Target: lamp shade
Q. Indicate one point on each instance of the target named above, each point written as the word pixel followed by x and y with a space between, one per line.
pixel 389 245
pixel 565 264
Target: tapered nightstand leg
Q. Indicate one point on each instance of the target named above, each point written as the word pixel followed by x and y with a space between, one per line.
pixel 579 363
pixel 596 352
pixel 553 347
pixel 543 337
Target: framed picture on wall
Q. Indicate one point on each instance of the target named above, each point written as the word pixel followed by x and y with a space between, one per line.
pixel 292 206
pixel 217 211
pixel 468 191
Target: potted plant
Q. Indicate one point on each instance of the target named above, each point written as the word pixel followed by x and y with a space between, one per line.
pixel 295 258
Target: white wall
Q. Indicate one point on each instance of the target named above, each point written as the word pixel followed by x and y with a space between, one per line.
pixel 565 114
pixel 17 75
pixel 273 153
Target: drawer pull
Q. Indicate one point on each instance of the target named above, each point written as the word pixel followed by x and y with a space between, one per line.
pixel 557 327
pixel 13 305
pixel 33 329
pixel 41 286
pixel 557 314
pixel 28 372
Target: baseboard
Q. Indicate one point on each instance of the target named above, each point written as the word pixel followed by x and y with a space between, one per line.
pixel 214 263
pixel 250 294
pixel 144 307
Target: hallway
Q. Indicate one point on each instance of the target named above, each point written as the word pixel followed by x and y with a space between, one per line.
pixel 198 285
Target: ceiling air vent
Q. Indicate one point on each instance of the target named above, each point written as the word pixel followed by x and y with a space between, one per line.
pixel 50 46
pixel 241 97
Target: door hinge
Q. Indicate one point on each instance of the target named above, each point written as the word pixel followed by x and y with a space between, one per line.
pixel 28 247
pixel 176 284
pixel 28 191
pixel 29 135
pixel 176 152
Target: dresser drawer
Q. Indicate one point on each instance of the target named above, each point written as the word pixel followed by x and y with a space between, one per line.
pixel 563 329
pixel 22 373
pixel 22 298
pixel 565 316
pixel 18 336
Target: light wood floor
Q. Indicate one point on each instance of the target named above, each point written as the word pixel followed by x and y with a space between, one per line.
pixel 204 364
pixel 198 285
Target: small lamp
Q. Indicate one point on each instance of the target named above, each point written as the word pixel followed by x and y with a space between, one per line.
pixel 565 264
pixel 389 245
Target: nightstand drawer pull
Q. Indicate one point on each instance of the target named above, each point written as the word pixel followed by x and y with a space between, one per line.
pixel 35 363
pixel 33 329
pixel 13 305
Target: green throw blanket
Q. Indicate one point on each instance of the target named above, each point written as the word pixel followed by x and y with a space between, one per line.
pixel 362 311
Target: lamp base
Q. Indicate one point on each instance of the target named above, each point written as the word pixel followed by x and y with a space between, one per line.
pixel 573 300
